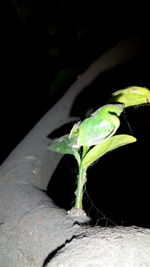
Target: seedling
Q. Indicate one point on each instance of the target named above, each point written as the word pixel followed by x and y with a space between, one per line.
pixel 93 137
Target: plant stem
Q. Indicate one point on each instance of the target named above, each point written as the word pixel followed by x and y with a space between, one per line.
pixel 78 159
pixel 80 185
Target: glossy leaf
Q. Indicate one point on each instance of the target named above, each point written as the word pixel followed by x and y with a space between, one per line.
pixel 102 124
pixel 105 146
pixel 131 96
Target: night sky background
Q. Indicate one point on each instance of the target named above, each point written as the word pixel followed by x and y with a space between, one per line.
pixel 46 44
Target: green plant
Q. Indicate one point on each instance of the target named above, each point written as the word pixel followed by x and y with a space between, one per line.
pixel 90 139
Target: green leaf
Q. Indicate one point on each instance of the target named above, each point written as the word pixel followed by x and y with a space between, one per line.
pixel 64 145
pixel 105 146
pixel 102 123
pixel 131 96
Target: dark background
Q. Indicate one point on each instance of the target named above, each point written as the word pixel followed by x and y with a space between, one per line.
pixel 46 44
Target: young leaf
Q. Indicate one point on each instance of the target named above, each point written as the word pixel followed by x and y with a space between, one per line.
pixel 64 145
pixel 131 96
pixel 105 146
pixel 102 124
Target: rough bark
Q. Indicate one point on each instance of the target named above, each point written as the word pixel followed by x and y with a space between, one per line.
pixel 32 228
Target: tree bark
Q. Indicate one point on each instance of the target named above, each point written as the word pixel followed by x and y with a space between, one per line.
pixel 32 228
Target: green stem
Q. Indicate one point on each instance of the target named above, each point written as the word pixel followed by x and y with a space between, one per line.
pixel 78 159
pixel 80 186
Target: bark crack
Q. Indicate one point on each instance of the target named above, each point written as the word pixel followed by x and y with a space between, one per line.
pixel 59 248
